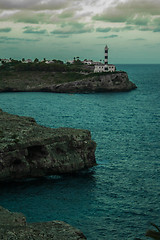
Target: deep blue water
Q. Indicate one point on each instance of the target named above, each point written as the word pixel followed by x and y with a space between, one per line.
pixel 117 199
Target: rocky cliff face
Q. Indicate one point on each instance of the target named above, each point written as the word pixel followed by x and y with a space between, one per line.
pixel 105 82
pixel 110 82
pixel 14 226
pixel 29 150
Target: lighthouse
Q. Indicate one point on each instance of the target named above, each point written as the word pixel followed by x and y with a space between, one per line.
pixel 99 67
pixel 106 55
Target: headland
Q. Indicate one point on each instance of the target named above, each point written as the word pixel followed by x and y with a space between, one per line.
pixel 28 150
pixel 59 77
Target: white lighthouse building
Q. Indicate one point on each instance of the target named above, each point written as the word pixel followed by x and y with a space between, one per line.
pixel 105 67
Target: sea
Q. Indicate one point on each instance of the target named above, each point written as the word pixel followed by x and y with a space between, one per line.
pixel 118 198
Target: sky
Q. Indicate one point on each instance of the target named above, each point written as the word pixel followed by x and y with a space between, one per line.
pixel 64 29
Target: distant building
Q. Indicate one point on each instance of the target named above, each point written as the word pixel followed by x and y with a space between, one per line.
pixel 49 61
pixel 105 67
pixel 88 62
pixel 99 68
pixel 27 61
pixel 5 60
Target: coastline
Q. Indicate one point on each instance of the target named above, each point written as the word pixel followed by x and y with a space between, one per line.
pixel 65 82
pixel 14 226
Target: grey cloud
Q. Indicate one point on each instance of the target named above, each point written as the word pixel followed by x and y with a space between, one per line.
pixel 30 17
pixel 110 36
pixel 103 29
pixel 75 25
pixel 32 30
pixel 126 28
pixel 128 10
pixel 34 5
pixel 72 28
pixel 157 29
pixel 5 30
pixel 139 20
pixel 12 39
pixel 63 36
pixel 69 13
pixel 36 17
pixel 138 39
pixel 74 31
pixel 115 29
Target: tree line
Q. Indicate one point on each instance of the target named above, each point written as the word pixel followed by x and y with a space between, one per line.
pixel 55 66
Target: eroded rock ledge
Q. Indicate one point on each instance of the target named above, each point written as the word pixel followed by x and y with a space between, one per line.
pixel 30 150
pixel 14 226
pixel 111 82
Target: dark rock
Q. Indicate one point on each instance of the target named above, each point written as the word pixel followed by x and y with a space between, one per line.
pixel 29 150
pixel 13 226
pixel 111 82
pixel 104 82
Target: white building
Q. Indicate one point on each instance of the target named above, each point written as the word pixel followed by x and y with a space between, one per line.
pixel 27 61
pixel 88 62
pixel 5 60
pixel 49 61
pixel 105 67
pixel 99 68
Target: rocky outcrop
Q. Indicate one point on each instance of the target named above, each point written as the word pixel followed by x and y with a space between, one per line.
pixel 109 82
pixel 99 82
pixel 29 150
pixel 14 226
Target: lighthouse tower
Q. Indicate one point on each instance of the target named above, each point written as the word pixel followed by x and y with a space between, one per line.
pixel 105 67
pixel 106 55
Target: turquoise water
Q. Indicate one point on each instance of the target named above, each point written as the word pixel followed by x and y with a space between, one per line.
pixel 117 199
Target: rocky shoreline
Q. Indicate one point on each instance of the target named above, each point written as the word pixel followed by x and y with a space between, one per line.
pixel 29 150
pixel 49 82
pixel 14 226
pixel 113 82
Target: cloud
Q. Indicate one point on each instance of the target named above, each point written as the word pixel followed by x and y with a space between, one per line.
pixel 14 39
pixel 32 30
pixel 69 13
pixel 127 28
pixel 42 16
pixel 5 29
pixel 35 11
pixel 34 5
pixel 104 30
pixel 139 20
pixel 72 28
pixel 157 29
pixel 74 31
pixel 63 36
pixel 27 17
pixel 110 36
pixel 138 39
pixel 115 29
pixel 124 11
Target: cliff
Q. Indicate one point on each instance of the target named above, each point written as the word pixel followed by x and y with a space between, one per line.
pixel 14 226
pixel 65 82
pixel 29 150
pixel 110 82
